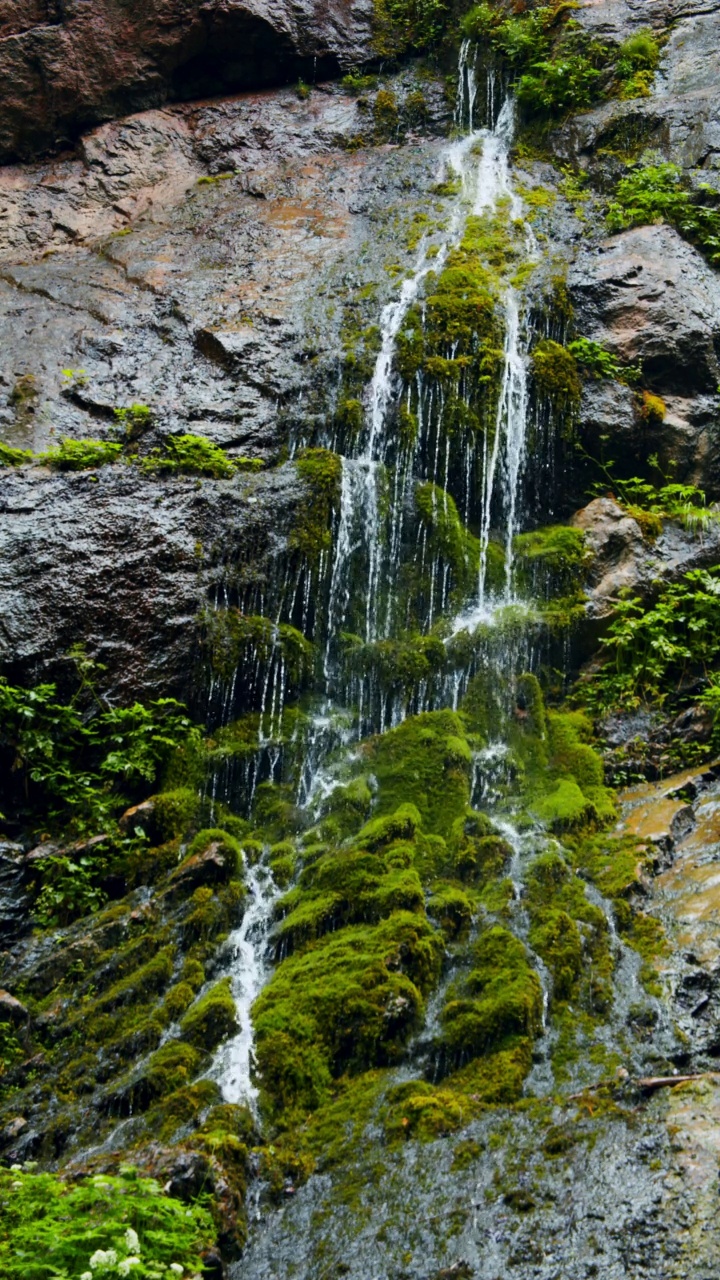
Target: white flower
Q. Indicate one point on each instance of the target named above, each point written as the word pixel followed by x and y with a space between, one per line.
pixel 103 1258
pixel 131 1240
pixel 16 1168
pixel 126 1264
pixel 87 1275
pixel 176 1268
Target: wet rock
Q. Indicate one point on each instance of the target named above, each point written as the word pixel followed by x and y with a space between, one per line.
pixel 14 1129
pixel 126 564
pixel 214 865
pixel 624 561
pixel 100 67
pixel 14 901
pixel 11 1010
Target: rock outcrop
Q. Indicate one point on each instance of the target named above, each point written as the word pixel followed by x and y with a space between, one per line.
pixel 66 67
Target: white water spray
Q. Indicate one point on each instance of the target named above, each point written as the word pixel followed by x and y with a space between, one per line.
pixel 248 945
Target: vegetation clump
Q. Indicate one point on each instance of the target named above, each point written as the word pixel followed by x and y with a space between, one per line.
pixel 658 192
pixel 80 455
pixel 322 471
pixel 190 456
pixel 102 1226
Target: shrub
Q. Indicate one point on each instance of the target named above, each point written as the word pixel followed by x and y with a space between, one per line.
pixel 51 1228
pixel 80 455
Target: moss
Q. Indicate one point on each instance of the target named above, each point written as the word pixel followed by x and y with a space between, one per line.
pixel 417 1110
pixel 345 888
pixel 171 1067
pixel 569 933
pixel 556 377
pixel 145 981
pixel 451 909
pixel 177 1000
pixel 652 409
pixel 212 1019
pixel 10 457
pixel 348 1002
pixel 180 1109
pixel 385 115
pixel 175 811
pixel 501 1000
pixel 233 638
pixel 551 561
pixel 447 535
pixel 496 1079
pixel 350 417
pixel 80 455
pixel 226 844
pixel 321 471
pixel 189 455
pixel 402 824
pixel 426 762
pixel 479 859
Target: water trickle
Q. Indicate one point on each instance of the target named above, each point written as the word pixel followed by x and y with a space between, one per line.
pixel 249 971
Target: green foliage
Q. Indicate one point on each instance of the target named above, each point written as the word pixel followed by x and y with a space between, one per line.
pixel 499 1004
pixel 649 650
pixel 189 455
pixel 322 472
pixel 597 362
pixel 232 636
pixel 56 1230
pixel 212 1019
pixel 133 420
pixel 568 932
pixel 635 64
pixel 556 376
pixel 425 762
pixel 64 763
pixel 551 561
pixel 385 115
pixel 80 455
pixel 652 193
pixel 400 25
pixel 10 457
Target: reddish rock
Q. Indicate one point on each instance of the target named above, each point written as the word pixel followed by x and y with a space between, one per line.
pixel 66 66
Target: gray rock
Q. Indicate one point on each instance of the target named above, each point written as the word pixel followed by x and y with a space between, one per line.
pixel 126 563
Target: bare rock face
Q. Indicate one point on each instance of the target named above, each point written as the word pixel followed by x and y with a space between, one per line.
pixel 67 66
pixel 651 299
pixel 125 564
pixel 626 563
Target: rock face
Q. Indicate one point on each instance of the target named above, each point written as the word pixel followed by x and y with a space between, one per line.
pixel 64 67
pixel 626 563
pixel 139 558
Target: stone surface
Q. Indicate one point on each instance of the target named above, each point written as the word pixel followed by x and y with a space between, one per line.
pixel 126 564
pixel 623 561
pixel 64 67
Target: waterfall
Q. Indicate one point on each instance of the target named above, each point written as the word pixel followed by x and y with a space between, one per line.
pixel 249 970
pixel 364 601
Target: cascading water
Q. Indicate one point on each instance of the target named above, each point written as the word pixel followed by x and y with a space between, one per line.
pixel 247 946
pixel 374 530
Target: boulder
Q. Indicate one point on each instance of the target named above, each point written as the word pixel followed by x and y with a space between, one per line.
pixel 625 562
pixel 11 1010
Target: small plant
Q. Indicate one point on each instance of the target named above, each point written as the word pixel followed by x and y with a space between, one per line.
pixel 191 456
pixel 598 362
pixel 653 193
pixel 303 90
pixel 101 1228
pixel 133 420
pixel 10 457
pixel 355 82
pixel 80 455
pixel 649 651
pixel 635 66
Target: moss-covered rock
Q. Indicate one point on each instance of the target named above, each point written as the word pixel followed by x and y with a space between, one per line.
pixel 212 1019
